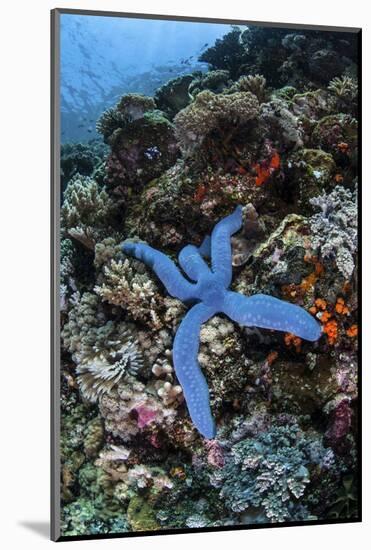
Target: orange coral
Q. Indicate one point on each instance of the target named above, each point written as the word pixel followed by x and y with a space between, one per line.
pixel 340 307
pixel 307 284
pixel 352 331
pixel 275 161
pixel 321 304
pixel 331 329
pixel 292 340
pixel 343 147
pixel 266 169
pixel 338 178
pixel 325 316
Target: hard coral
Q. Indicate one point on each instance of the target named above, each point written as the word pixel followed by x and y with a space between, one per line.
pixel 131 407
pixel 86 210
pixel 131 107
pixel 122 285
pixel 334 229
pixel 251 83
pixel 270 472
pixel 209 112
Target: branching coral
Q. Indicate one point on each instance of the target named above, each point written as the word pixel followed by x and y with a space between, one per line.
pixel 251 83
pixel 124 286
pixel 334 229
pixel 344 87
pixel 131 407
pixel 168 392
pixel 86 210
pixel 270 472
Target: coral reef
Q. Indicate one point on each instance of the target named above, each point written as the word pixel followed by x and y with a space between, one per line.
pixel 130 408
pixel 81 158
pixel 211 292
pixel 86 211
pixel 268 475
pixel 174 95
pixel 209 112
pixel 142 142
pixel 334 229
pixel 244 175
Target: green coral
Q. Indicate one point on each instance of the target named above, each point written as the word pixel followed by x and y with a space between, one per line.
pixel 209 112
pixel 85 516
pixel 141 515
pixel 141 150
pixel 215 81
pixel 94 437
pixel 74 421
pixel 174 95
pixel 81 158
pixel 130 107
pixel 345 504
pixel 270 472
pixel 256 84
pixel 344 87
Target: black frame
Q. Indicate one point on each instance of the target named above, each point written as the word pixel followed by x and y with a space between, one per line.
pixel 55 257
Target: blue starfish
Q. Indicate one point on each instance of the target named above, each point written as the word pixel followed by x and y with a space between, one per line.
pixel 210 295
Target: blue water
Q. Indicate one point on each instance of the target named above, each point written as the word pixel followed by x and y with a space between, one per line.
pixel 104 57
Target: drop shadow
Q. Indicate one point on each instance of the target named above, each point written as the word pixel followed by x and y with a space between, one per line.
pixel 41 528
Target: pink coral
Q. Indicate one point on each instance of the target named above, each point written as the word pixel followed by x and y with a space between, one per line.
pixel 145 415
pixel 340 422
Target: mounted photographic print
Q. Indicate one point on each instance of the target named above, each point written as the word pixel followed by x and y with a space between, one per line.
pixel 205 233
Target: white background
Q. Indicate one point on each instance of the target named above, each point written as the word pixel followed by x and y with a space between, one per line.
pixel 24 271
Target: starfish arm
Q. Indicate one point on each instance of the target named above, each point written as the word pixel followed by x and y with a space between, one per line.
pixel 265 311
pixel 176 285
pixel 221 250
pixel 192 263
pixel 188 371
pixel 205 247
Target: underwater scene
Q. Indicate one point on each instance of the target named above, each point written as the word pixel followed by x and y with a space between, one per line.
pixel 208 275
